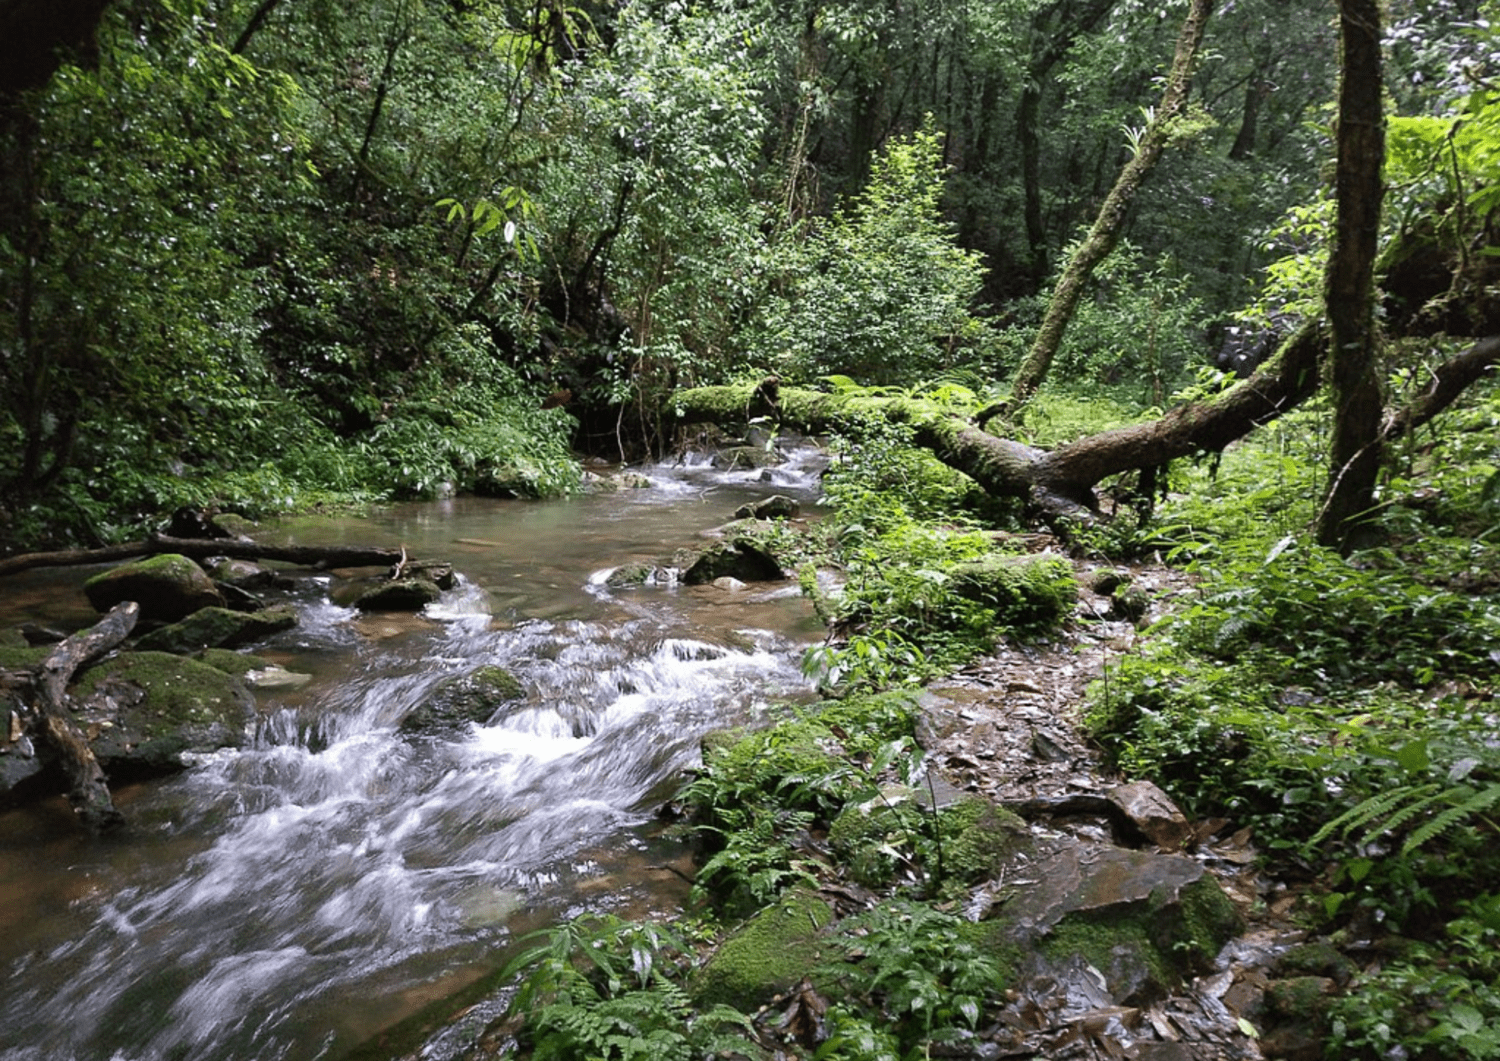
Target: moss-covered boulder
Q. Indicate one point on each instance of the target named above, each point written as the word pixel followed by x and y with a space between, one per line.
pixel 768 955
pixel 168 587
pixel 142 711
pixel 1025 591
pixel 402 595
pixel 777 506
pixel 469 698
pixel 738 557
pixel 745 458
pixel 218 628
pixel 636 574
pixel 965 842
pixel 1145 921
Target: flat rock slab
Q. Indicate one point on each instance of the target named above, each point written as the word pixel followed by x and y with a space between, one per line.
pixel 1083 878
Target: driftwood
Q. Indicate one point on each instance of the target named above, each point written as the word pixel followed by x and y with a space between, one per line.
pixel 203 548
pixel 87 792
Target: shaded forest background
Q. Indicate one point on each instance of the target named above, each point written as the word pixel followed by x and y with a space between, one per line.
pixel 258 253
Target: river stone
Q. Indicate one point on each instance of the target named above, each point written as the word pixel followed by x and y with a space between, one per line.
pixel 242 573
pixel 1152 811
pixel 403 595
pixel 777 506
pixel 746 457
pixel 768 955
pixel 168 587
pixel 468 698
pixel 739 558
pixel 143 711
pixel 218 628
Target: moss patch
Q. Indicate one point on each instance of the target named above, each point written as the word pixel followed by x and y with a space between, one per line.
pixel 1025 591
pixel 469 698
pixel 770 954
pixel 237 664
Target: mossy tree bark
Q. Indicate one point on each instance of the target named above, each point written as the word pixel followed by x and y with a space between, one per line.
pixel 1107 227
pixel 1354 450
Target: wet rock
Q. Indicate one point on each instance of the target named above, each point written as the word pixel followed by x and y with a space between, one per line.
pixel 737 458
pixel 243 574
pixel 739 557
pixel 470 698
pixel 168 587
pixel 438 572
pixel 402 595
pixel 1129 604
pixel 777 506
pixel 274 677
pixel 1152 811
pixel 767 956
pixel 1106 580
pixel 726 582
pixel 218 628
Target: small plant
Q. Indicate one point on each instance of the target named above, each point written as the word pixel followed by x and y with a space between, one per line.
pixel 601 988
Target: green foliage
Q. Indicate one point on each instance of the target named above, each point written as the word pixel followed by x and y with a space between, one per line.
pixel 881 293
pixel 601 988
pixel 917 973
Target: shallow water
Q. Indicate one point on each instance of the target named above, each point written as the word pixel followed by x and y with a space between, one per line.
pixel 293 898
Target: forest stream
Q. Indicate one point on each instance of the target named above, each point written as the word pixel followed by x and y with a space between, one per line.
pixel 293 898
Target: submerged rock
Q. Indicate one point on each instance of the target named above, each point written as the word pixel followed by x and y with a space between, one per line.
pixel 168 587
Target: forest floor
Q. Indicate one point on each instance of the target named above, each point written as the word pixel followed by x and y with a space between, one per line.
pixel 1009 726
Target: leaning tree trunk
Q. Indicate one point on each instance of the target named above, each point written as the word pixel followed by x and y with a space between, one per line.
pixel 1105 233
pixel 1354 451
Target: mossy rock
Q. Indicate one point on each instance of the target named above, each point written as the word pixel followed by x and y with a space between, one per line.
pixel 768 955
pixel 168 587
pixel 469 698
pixel 979 837
pixel 403 595
pixel 236 664
pixel 144 710
pixel 1025 591
pixel 218 628
pixel 634 574
pixel 741 557
pixel 741 458
pixel 1106 580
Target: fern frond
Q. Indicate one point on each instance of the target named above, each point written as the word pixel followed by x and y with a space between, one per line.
pixel 1368 810
pixel 1476 804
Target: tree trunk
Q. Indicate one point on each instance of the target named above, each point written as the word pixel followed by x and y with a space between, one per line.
pixel 1354 451
pixel 1111 220
pixel 87 790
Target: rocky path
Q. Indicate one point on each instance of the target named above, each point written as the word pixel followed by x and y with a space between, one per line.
pixel 1008 727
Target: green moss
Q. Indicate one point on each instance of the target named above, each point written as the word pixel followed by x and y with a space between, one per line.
pixel 218 628
pixel 16 654
pixel 770 954
pixel 178 692
pixel 978 837
pixel 237 664
pixel 1025 591
pixel 472 697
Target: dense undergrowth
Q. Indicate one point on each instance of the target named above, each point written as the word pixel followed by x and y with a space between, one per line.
pixel 1342 707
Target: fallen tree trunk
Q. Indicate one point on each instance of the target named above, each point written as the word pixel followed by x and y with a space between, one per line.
pixel 87 792
pixel 203 548
pixel 1058 484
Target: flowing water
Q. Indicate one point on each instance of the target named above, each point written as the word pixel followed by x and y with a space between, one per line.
pixel 290 899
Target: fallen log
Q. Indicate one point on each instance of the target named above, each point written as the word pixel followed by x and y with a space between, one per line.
pixel 1058 485
pixel 88 791
pixel 203 548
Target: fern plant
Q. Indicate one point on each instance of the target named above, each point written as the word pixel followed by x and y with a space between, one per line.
pixel 1437 806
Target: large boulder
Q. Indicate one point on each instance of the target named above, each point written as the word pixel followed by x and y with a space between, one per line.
pixel 168 587
pixel 218 628
pixel 403 595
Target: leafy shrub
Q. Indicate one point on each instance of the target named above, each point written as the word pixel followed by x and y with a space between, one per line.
pixel 881 292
